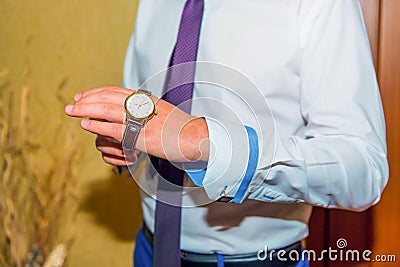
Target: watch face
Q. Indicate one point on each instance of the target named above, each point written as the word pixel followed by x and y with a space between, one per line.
pixel 139 105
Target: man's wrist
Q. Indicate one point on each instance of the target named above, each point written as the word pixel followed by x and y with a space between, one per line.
pixel 194 141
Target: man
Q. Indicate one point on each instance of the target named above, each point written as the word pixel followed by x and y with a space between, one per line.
pixel 322 144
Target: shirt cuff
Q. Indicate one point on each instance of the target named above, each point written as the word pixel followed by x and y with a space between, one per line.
pixel 232 162
pixel 242 191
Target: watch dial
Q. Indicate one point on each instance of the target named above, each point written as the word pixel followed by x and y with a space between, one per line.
pixel 140 105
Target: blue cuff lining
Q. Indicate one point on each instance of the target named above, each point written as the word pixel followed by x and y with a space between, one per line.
pixel 197 176
pixel 251 166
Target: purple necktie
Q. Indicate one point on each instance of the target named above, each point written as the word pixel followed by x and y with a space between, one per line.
pixel 178 92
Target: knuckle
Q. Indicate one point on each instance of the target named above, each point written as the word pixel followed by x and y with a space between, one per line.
pixel 106 158
pixel 116 131
pixel 107 94
pixel 120 152
pixel 76 108
pixel 112 88
pixel 109 111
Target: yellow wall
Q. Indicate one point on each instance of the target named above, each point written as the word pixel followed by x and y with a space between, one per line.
pixel 56 49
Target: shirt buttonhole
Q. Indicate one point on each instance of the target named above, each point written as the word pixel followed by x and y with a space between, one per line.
pixel 268 197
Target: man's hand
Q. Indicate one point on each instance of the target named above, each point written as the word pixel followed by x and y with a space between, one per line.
pixel 111 150
pixel 172 134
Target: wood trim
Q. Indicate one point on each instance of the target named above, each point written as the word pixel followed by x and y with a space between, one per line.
pixel 386 213
pixel 371 10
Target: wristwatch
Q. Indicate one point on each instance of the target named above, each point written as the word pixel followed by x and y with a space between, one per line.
pixel 139 108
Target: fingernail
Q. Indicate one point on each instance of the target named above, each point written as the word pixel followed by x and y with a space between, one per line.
pixel 84 123
pixel 68 108
pixel 77 96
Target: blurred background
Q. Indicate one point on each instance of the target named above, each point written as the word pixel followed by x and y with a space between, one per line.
pixel 58 200
pixel 55 189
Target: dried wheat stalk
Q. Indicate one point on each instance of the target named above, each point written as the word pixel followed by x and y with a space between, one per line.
pixel 36 205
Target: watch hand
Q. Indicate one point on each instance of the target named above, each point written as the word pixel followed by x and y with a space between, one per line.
pixel 144 104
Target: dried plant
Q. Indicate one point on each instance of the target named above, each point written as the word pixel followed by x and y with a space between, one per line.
pixel 37 204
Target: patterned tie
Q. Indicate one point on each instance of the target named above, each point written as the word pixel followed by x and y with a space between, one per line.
pixel 169 193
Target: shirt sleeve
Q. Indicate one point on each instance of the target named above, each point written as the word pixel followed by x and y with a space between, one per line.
pixel 226 167
pixel 340 161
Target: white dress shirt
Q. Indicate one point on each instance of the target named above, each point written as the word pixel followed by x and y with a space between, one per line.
pixel 323 143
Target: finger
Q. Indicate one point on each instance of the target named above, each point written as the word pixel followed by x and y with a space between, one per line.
pixel 96 90
pixel 110 129
pixel 101 111
pixel 108 145
pixel 105 96
pixel 119 161
pixel 102 140
pixel 114 160
pixel 111 151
